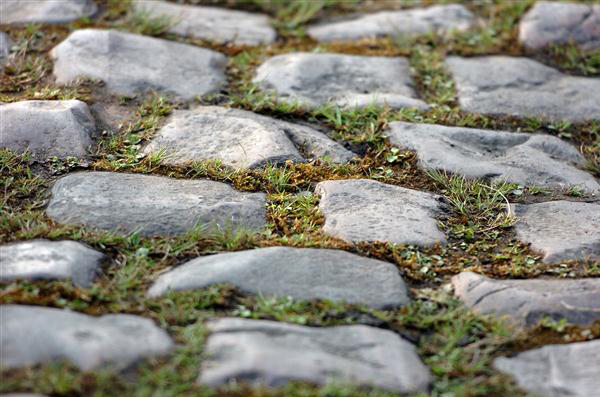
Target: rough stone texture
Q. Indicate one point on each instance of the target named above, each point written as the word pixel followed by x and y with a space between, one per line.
pixel 313 80
pixel 440 19
pixel 47 128
pixel 526 302
pixel 130 64
pixel 219 25
pixel 527 159
pixel 153 205
pixel 365 210
pixel 240 139
pixel 53 260
pixel 502 85
pixel 5 45
pixel 46 11
pixel 33 335
pixel 561 230
pixel 571 370
pixel 305 274
pixel 272 354
pixel 551 23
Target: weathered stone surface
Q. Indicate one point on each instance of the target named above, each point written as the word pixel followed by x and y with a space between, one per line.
pixel 272 354
pixel 153 205
pixel 130 64
pixel 53 260
pixel 312 80
pixel 502 85
pixel 33 335
pixel 305 274
pixel 365 210
pixel 527 159
pixel 240 139
pixel 526 302
pixel 47 128
pixel 571 370
pixel 561 230
pixel 439 19
pixel 46 11
pixel 5 45
pixel 553 23
pixel 210 23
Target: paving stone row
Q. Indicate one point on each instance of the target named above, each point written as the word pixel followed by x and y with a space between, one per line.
pixel 21 12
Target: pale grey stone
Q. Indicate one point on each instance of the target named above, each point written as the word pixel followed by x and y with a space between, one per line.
pixel 561 230
pixel 47 128
pixel 219 25
pixel 438 19
pixel 52 260
pixel 571 370
pixel 365 210
pixel 554 23
pixel 526 302
pixel 313 79
pixel 153 205
pixel 239 139
pixel 268 353
pixel 130 64
pixel 301 273
pixel 527 159
pixel 45 11
pixel 5 45
pixel 33 335
pixel 521 87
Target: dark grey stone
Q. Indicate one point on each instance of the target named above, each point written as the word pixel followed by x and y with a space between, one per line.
pixel 33 335
pixel 521 87
pixel 130 64
pixel 268 353
pixel 19 12
pixel 153 205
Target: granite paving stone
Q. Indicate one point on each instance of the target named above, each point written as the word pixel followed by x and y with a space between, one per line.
pixel 22 12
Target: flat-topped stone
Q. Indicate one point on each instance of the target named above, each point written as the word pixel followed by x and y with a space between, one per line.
pixel 521 87
pixel 51 260
pixel 47 128
pixel 365 210
pixel 18 12
pixel 571 370
pixel 436 19
pixel 219 25
pixel 33 335
pixel 272 354
pixel 527 159
pixel 313 80
pixel 153 205
pixel 301 273
pixel 561 230
pixel 555 23
pixel 526 302
pixel 130 64
pixel 240 139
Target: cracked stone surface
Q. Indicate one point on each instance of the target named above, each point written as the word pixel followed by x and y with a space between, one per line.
pixel 271 354
pixel 33 335
pixel 18 12
pixel 570 370
pixel 561 230
pixel 553 23
pixel 153 205
pixel 526 302
pixel 218 25
pixel 521 87
pixel 439 19
pixel 313 80
pixel 51 260
pixel 302 273
pixel 47 128
pixel 130 64
pixel 527 159
pixel 240 139
pixel 365 210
